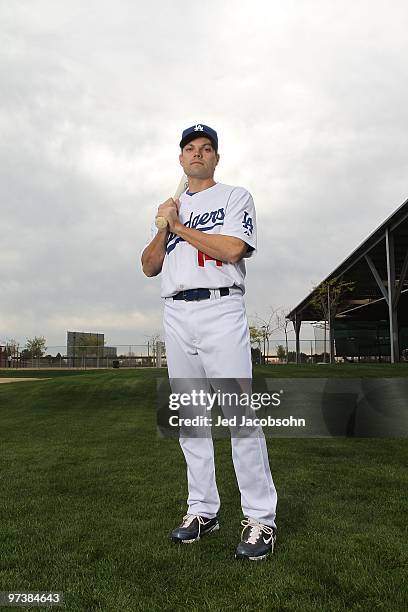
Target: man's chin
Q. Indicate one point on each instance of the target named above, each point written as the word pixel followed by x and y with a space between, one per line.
pixel 198 173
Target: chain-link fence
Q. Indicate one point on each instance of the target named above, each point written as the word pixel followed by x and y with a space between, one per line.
pixel 150 354
pixel 153 354
pixel 282 350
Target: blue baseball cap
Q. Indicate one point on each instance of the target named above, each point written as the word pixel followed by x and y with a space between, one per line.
pixel 196 131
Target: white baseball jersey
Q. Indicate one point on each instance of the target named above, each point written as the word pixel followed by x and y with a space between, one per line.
pixel 220 209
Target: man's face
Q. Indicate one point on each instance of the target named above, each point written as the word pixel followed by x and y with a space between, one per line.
pixel 199 159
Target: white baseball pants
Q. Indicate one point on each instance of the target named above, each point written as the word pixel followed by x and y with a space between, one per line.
pixel 210 339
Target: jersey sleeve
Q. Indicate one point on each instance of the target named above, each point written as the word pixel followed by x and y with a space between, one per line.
pixel 240 218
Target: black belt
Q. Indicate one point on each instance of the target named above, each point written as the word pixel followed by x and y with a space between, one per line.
pixel 190 295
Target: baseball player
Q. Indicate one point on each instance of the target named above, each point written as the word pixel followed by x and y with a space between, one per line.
pixel 211 230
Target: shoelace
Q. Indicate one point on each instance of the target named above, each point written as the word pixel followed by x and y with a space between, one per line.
pixel 189 518
pixel 256 530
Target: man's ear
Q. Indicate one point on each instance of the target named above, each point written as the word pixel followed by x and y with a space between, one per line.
pixel 218 158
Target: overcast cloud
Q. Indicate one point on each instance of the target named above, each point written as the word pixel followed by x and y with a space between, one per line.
pixel 310 103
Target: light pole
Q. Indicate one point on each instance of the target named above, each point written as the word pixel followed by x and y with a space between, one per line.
pixel 329 323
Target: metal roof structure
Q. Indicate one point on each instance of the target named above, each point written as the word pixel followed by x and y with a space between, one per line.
pixel 378 268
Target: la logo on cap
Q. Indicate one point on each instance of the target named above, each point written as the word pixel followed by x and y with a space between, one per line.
pixel 198 128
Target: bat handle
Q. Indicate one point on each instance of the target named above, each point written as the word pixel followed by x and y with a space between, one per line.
pixel 161 223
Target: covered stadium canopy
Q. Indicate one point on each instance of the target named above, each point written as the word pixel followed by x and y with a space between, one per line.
pixel 378 268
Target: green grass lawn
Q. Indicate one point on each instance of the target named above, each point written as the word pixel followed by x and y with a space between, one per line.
pixel 90 494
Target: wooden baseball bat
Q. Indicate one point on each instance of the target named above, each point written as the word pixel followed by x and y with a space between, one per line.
pixel 161 222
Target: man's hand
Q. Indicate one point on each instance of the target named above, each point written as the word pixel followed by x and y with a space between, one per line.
pixel 169 210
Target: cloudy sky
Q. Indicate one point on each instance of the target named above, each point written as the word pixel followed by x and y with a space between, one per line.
pixel 309 99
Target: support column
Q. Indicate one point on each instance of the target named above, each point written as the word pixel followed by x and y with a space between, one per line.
pixel 392 305
pixel 297 322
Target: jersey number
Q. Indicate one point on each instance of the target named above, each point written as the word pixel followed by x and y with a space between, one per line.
pixel 202 258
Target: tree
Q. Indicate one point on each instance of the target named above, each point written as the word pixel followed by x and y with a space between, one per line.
pixel 255 336
pixel 281 353
pixel 152 343
pixel 35 347
pixel 283 323
pixel 255 339
pixel 267 327
pixel 327 298
pixel 12 347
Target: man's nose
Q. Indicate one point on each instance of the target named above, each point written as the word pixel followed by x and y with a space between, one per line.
pixel 197 154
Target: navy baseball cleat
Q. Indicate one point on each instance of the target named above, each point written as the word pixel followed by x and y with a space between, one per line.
pixel 193 528
pixel 257 540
